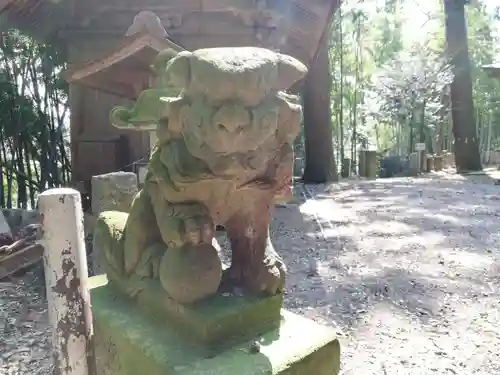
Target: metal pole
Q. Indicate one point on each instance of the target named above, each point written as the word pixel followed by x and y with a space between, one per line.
pixel 66 279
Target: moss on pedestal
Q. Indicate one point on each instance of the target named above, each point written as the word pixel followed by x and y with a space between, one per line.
pixel 128 342
pixel 215 322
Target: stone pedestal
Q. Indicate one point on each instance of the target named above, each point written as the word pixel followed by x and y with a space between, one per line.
pixel 226 337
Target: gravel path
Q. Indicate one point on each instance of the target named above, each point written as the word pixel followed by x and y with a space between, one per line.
pixel 24 333
pixel 407 269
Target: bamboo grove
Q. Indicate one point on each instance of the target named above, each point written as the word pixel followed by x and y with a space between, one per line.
pixel 34 147
pixel 392 74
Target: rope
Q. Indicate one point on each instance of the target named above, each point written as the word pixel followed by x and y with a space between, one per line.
pixel 130 165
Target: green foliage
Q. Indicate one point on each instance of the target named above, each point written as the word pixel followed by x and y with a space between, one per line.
pixel 33 120
pixel 408 92
pixel 391 83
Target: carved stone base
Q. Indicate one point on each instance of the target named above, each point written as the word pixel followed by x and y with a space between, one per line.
pixel 214 322
pixel 128 342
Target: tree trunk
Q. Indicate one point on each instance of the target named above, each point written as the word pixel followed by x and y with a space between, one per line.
pixel 341 94
pixel 467 156
pixel 320 161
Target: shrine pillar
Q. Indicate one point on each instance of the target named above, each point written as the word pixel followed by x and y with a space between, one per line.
pixel 320 162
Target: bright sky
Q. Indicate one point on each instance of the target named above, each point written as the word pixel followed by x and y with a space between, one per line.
pixel 417 11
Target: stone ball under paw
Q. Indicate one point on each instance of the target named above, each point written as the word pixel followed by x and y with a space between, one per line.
pixel 191 273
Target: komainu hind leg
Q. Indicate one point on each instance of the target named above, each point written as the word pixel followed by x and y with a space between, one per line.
pixel 255 266
pixel 130 245
pixel 141 231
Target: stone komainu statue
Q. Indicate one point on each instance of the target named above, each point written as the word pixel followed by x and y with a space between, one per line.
pixel 224 156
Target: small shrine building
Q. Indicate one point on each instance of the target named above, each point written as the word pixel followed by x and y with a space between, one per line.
pixel 96 35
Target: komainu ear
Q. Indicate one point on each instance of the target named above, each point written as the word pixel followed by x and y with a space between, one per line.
pixel 179 70
pixel 162 59
pixel 290 70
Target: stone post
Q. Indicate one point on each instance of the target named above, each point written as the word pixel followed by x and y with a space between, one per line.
pixel 346 168
pixel 414 161
pixel 66 280
pixel 111 192
pixel 362 163
pixel 438 163
pixel 5 231
pixel 429 163
pixel 371 163
pixel 495 157
pixel 423 162
pixel 448 160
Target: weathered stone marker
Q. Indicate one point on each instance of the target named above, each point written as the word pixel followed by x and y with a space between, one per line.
pixel 346 168
pixel 368 163
pixel 362 163
pixel 5 231
pixel 66 279
pixel 111 192
pixel 224 156
pixel 414 163
pixel 438 163
pixel 429 162
pixel 371 164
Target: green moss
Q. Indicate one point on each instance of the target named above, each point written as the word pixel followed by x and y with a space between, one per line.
pixel 212 323
pixel 128 343
pixel 146 112
pixel 108 238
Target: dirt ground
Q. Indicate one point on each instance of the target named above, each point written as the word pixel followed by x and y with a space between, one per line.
pixel 406 269
pixel 25 347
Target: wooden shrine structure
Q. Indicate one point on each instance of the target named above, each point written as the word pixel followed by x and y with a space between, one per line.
pixel 96 34
pixel 123 73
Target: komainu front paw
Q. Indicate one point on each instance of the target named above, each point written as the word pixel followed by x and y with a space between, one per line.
pixel 196 224
pixel 199 230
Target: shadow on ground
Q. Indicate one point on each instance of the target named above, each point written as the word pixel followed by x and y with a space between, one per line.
pixel 408 245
